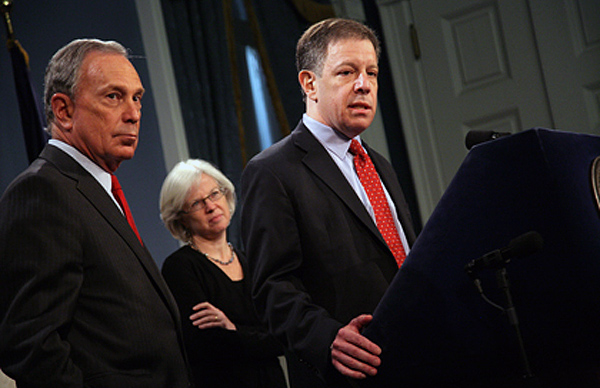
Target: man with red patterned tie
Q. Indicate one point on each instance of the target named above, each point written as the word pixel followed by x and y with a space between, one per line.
pixel 324 221
pixel 82 303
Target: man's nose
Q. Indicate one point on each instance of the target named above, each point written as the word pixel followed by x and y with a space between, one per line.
pixel 133 112
pixel 362 84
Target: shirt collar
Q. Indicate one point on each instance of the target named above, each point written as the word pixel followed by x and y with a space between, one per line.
pixel 331 139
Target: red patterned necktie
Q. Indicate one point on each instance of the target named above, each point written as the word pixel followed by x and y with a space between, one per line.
pixel 120 197
pixel 383 215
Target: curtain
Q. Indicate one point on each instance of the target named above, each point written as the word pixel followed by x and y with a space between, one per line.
pixel 197 35
pixel 196 32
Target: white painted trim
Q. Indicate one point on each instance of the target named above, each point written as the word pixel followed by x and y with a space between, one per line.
pixel 409 85
pixel 162 78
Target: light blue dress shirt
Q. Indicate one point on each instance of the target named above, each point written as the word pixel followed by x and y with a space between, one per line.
pixel 338 146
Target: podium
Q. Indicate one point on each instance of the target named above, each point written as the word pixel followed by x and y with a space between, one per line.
pixel 432 324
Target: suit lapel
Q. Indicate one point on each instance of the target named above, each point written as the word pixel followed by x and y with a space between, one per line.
pixel 97 196
pixel 88 186
pixel 320 163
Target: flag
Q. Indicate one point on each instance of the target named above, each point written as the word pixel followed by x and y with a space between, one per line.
pixel 29 106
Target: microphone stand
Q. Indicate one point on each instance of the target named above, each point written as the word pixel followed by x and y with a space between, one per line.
pixel 523 245
pixel 513 320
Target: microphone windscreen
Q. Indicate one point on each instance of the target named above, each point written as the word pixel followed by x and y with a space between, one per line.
pixel 475 137
pixel 524 245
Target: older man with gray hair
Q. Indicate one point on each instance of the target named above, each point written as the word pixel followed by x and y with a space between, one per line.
pixel 82 303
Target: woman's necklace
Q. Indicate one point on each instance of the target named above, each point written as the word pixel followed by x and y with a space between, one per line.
pixel 215 259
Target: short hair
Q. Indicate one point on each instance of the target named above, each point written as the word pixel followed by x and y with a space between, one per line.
pixel 177 186
pixel 63 71
pixel 311 49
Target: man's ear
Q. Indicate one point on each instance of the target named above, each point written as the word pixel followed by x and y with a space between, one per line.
pixel 308 82
pixel 62 106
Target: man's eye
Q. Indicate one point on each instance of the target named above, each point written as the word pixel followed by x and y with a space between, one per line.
pixel 112 96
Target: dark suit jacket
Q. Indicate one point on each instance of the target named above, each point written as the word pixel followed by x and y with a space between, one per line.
pixel 316 256
pixel 82 302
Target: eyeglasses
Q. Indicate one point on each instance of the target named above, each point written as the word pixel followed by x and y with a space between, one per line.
pixel 200 204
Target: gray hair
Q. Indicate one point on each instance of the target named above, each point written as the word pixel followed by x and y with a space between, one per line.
pixel 177 186
pixel 63 70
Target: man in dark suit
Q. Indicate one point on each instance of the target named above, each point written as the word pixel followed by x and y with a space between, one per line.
pixel 320 264
pixel 82 303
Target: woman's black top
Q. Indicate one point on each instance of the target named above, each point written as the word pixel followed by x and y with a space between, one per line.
pixel 246 357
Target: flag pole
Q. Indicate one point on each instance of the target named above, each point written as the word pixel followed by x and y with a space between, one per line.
pixel 32 122
pixel 11 41
pixel 5 8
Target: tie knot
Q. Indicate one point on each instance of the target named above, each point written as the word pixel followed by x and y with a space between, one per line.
pixel 356 148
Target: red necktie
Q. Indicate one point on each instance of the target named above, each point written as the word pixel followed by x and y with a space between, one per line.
pixel 383 215
pixel 120 197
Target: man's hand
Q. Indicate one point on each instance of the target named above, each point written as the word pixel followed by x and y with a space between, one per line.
pixel 352 354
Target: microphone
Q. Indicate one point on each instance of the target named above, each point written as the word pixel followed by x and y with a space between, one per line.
pixel 524 245
pixel 475 137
